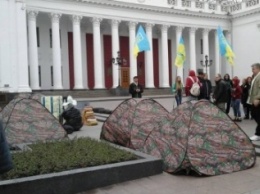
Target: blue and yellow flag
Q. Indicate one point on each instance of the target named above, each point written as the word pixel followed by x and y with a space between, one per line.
pixel 181 53
pixel 224 47
pixel 141 42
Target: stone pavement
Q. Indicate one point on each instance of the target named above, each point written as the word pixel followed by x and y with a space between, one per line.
pixel 243 182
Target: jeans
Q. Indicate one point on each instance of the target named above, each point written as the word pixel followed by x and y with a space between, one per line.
pixel 236 107
pixel 178 99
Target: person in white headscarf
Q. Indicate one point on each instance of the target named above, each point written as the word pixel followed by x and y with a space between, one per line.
pixel 72 116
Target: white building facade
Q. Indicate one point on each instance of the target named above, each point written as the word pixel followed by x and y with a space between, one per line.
pixel 69 44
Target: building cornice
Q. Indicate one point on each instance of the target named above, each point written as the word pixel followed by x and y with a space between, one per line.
pixel 149 8
pixel 246 13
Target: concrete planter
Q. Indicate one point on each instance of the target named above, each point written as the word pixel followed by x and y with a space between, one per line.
pixel 79 180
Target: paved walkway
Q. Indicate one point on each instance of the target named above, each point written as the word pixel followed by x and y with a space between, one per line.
pixel 243 182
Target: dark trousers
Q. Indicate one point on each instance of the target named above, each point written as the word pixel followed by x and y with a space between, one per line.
pixel 247 108
pixel 228 103
pixel 255 111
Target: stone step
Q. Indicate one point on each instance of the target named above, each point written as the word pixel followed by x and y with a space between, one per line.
pixel 257 151
pixel 256 144
pixel 101 115
pixel 100 119
pixel 103 92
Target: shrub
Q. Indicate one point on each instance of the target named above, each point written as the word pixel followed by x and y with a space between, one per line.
pixel 65 155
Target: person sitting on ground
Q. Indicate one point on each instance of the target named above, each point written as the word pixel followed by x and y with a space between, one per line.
pixel 72 116
pixel 136 89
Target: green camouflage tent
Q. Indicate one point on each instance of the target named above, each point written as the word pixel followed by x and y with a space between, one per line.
pixel 194 136
pixel 26 120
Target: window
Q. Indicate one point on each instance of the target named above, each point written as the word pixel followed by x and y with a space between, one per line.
pixel 201 46
pixel 51 75
pixel 40 78
pixel 50 33
pixel 38 36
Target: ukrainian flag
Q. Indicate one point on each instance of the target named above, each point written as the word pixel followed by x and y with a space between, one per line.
pixel 224 47
pixel 181 53
pixel 141 42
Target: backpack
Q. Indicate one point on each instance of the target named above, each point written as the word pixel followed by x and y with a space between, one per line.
pixel 195 88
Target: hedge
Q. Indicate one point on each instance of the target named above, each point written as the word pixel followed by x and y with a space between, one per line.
pixel 65 155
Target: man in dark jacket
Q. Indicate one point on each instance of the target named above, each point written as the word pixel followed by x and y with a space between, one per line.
pixel 5 157
pixel 203 86
pixel 220 93
pixel 135 89
pixel 72 116
pixel 206 87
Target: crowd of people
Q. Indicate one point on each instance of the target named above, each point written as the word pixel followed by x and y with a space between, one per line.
pixel 227 93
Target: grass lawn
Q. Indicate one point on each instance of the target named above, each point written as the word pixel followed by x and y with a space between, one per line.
pixel 65 155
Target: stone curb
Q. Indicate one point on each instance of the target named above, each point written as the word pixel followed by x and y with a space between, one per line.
pixel 79 180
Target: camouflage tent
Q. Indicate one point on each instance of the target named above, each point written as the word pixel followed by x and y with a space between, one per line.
pixel 197 137
pixel 26 120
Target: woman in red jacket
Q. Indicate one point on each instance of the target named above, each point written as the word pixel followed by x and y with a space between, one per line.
pixel 189 82
pixel 236 98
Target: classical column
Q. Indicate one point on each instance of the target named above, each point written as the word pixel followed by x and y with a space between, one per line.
pixel 133 61
pixel 77 53
pixel 164 67
pixel 99 76
pixel 22 50
pixel 228 66
pixel 205 34
pixel 115 49
pixel 149 76
pixel 217 61
pixel 56 51
pixel 178 35
pixel 192 32
pixel 33 50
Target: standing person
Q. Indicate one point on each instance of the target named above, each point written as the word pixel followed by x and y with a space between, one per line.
pixel 190 81
pixel 177 90
pixel 208 87
pixel 135 89
pixel 229 86
pixel 220 93
pixel 203 86
pixel 236 98
pixel 5 157
pixel 245 92
pixel 254 99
